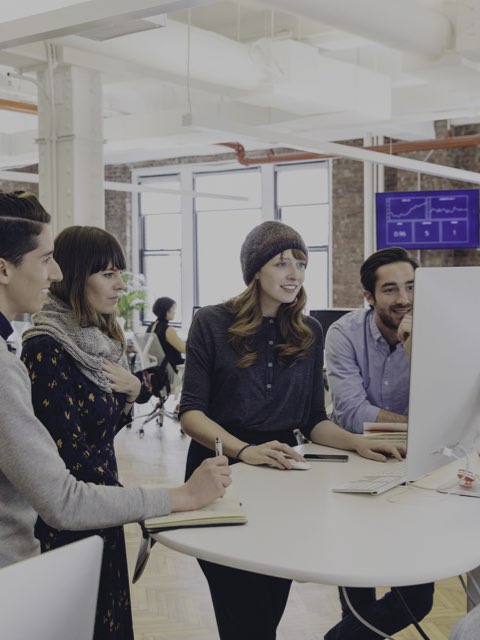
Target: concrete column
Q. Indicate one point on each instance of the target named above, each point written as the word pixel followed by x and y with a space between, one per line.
pixel 70 143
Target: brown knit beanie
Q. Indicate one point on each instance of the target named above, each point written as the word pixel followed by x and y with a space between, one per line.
pixel 264 242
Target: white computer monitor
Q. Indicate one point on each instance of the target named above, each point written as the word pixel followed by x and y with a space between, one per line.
pixel 444 404
pixel 52 596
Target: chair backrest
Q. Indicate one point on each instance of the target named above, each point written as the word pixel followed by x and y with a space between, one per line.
pixel 52 596
pixel 151 354
pixel 149 350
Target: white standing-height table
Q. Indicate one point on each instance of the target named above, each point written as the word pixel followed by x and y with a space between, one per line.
pixel 298 528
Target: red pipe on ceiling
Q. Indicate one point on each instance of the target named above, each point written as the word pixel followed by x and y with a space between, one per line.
pixel 272 156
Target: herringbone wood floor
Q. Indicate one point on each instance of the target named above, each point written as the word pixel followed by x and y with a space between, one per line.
pixel 171 601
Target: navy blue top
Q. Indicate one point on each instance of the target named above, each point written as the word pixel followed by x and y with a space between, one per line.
pixel 83 421
pixel 265 397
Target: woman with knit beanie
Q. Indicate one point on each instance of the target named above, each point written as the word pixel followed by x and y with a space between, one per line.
pixel 254 374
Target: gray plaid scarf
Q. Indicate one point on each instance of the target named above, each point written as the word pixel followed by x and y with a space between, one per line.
pixel 88 346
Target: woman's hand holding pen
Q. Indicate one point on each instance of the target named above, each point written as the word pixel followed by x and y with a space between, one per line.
pixel 207 482
pixel 121 380
pixel 273 453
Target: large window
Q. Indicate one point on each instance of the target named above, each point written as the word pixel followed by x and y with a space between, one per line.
pixel 302 196
pixel 161 242
pixel 190 246
pixel 221 228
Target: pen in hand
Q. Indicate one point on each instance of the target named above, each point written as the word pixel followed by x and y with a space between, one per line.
pixel 218 447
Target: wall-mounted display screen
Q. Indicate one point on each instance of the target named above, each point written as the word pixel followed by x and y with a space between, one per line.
pixel 428 219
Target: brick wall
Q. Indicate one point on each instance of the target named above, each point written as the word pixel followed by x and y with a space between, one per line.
pixel 347 231
pixel 118 208
pixel 11 185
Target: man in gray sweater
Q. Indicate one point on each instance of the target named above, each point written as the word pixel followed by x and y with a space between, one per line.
pixel 33 478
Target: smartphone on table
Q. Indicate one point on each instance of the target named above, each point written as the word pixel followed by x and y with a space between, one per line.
pixel 326 457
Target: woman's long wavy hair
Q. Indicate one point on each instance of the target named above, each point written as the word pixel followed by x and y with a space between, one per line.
pixel 296 335
pixel 80 252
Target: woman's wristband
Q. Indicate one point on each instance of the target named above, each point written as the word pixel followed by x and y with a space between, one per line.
pixel 240 451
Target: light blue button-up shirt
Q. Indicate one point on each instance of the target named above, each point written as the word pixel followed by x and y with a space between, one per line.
pixel 364 374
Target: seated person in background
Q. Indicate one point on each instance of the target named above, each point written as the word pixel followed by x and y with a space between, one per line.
pixel 367 352
pixel 173 346
pixel 367 357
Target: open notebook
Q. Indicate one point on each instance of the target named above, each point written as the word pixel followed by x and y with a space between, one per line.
pixel 222 512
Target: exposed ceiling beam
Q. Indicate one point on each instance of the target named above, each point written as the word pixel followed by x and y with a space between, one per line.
pixel 84 16
pixel 342 150
pixel 32 178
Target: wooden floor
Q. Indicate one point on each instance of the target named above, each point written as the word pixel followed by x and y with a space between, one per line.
pixel 171 601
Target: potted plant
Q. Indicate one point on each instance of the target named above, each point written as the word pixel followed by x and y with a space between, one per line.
pixel 132 298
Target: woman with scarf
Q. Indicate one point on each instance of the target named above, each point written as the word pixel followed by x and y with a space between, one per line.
pixel 83 393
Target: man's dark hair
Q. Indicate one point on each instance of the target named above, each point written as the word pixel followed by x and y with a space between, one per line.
pixel 368 270
pixel 21 221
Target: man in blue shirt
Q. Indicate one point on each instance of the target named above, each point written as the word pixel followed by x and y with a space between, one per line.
pixel 367 354
pixel 367 351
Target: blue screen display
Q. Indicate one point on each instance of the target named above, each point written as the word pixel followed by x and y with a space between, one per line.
pixel 428 219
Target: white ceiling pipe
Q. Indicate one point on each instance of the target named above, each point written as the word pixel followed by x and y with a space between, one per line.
pixel 33 178
pixel 213 58
pixel 398 24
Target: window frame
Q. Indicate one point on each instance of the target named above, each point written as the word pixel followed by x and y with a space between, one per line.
pixel 189 249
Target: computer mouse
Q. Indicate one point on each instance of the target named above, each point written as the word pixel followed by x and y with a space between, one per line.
pixel 297 464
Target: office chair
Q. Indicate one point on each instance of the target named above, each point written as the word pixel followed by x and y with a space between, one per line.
pixel 156 374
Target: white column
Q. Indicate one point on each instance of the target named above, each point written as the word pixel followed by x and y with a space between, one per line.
pixel 70 143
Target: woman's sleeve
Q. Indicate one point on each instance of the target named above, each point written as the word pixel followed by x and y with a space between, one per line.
pixel 56 405
pixel 317 389
pixel 197 378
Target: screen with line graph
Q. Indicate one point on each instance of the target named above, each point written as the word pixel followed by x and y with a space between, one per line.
pixel 428 219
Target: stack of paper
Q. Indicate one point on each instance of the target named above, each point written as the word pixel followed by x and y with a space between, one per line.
pixel 386 431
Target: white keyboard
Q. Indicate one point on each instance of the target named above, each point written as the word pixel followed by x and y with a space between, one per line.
pixel 373 484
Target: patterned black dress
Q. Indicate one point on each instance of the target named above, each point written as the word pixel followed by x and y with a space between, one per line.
pixel 83 421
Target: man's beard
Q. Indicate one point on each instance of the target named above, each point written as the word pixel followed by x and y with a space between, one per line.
pixel 388 322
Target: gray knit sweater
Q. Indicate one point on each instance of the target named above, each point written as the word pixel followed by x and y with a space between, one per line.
pixel 34 479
